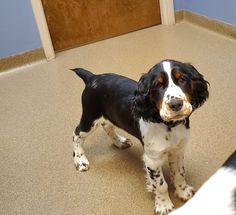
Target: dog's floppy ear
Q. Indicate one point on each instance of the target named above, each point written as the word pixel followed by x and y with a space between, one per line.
pixel 144 85
pixel 142 106
pixel 199 87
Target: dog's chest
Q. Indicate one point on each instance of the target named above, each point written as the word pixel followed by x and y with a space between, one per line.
pixel 158 139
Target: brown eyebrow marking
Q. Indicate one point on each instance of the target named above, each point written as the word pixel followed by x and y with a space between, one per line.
pixel 177 74
pixel 159 104
pixel 160 78
pixel 188 97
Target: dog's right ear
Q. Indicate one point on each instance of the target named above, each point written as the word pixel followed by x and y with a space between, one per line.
pixel 144 84
pixel 142 107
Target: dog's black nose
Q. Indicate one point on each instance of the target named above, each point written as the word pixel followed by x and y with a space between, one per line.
pixel 176 104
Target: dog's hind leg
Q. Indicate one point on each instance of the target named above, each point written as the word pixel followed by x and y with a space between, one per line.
pixel 119 141
pixel 82 131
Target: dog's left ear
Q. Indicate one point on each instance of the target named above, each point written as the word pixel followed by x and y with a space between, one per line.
pixel 199 87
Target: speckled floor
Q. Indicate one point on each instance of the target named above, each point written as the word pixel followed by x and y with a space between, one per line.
pixel 40 107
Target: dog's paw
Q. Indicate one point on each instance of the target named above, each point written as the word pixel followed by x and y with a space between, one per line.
pixel 126 144
pixel 184 193
pixel 163 205
pixel 163 209
pixel 81 162
pixel 123 143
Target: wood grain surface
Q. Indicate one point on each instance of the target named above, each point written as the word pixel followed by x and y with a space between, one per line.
pixel 75 23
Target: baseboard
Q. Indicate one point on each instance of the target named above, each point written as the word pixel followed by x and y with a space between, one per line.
pixel 179 16
pixel 21 59
pixel 203 21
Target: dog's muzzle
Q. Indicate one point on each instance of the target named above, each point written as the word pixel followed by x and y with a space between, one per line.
pixel 175 109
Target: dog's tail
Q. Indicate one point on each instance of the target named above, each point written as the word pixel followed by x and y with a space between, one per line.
pixel 84 74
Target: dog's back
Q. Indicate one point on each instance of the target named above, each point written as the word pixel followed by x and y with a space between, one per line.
pixel 109 96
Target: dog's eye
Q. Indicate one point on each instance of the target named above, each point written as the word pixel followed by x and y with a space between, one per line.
pixel 182 80
pixel 158 84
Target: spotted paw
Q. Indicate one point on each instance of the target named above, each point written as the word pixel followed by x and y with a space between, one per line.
pixel 163 205
pixel 163 209
pixel 81 163
pixel 184 193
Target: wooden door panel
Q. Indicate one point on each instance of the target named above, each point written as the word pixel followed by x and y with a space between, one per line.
pixel 77 22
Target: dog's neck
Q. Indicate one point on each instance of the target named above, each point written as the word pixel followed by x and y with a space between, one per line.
pixel 172 124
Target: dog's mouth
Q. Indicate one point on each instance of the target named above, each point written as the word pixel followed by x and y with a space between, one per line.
pixel 177 117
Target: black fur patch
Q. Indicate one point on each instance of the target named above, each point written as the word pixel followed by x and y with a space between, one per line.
pixel 161 182
pixel 153 173
pixel 231 161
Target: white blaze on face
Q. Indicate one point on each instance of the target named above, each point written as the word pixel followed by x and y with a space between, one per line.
pixel 173 91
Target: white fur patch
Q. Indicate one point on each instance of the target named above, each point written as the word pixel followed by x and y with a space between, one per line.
pixel 167 67
pixel 163 205
pixel 215 197
pixel 157 139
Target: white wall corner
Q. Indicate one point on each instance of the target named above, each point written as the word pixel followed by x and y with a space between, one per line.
pixel 43 29
pixel 167 12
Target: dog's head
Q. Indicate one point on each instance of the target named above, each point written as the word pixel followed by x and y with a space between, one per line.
pixel 173 89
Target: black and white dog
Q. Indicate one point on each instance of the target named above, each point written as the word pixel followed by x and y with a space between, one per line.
pixel 217 195
pixel 155 110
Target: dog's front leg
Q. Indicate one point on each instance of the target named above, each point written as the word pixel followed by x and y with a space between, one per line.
pixel 156 183
pixel 176 163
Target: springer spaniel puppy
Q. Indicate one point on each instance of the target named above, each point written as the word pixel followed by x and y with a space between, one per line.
pixel 155 110
pixel 217 195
